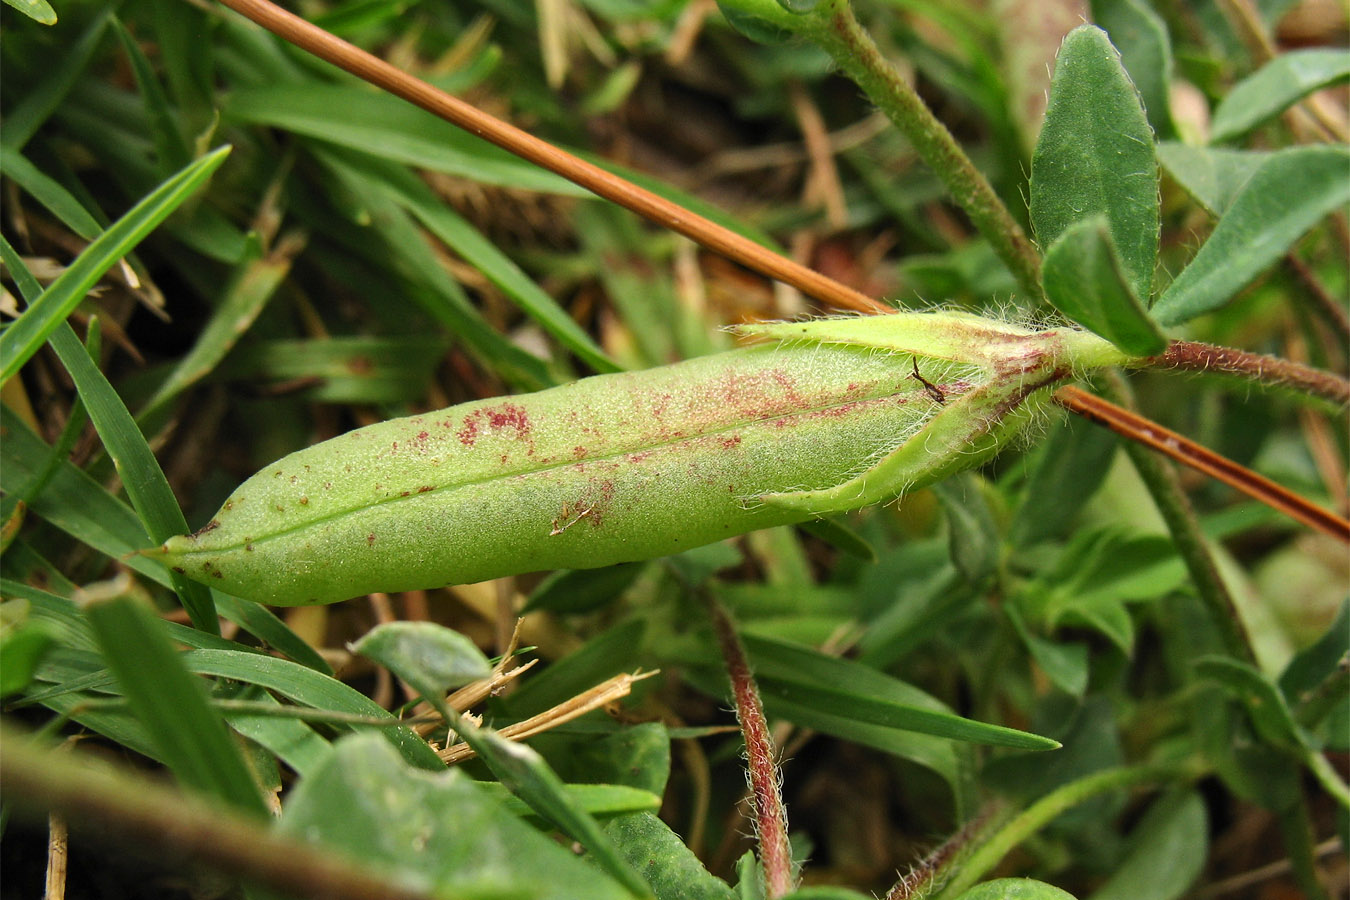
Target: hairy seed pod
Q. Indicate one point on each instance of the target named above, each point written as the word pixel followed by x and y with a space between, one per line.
pixel 612 468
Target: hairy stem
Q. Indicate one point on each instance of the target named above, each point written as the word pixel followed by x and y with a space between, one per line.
pixel 1040 813
pixel 770 816
pixel 1191 356
pixel 857 54
pixel 1165 488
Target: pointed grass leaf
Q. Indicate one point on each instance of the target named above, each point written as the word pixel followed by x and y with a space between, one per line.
pixel 438 832
pixel 39 11
pixel 390 128
pixel 582 590
pixel 40 101
pixel 27 333
pixel 671 868
pixel 189 736
pixel 810 679
pixel 1212 176
pixel 1095 156
pixel 607 800
pixel 1290 192
pixel 430 657
pixel 171 151
pixel 1084 279
pixel 1276 86
pixel 1146 52
pixel 50 193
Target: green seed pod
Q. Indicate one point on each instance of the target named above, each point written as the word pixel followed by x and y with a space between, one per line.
pixel 623 467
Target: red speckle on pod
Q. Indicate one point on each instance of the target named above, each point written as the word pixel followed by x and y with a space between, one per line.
pixel 370 539
pixel 426 487
pixel 729 442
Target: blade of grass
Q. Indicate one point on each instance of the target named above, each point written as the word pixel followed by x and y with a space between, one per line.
pixel 190 736
pixel 23 121
pixel 27 333
pixel 50 193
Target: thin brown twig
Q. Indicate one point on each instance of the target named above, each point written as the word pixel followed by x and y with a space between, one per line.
pixel 528 147
pixel 1193 356
pixel 1184 450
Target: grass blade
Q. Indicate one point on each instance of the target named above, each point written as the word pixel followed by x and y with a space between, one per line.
pixel 28 332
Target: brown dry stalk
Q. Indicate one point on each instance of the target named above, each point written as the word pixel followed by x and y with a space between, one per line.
pixel 1192 356
pixel 602 694
pixel 1184 450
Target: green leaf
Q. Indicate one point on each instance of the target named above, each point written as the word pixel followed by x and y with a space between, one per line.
pixel 1213 176
pixel 809 679
pixel 437 832
pixel 390 128
pixel 1265 704
pixel 838 535
pixel 1315 683
pixel 1095 156
pixel 170 704
pixel 582 590
pixel 1166 853
pixel 343 369
pixel 39 11
pixel 1070 465
pixel 1146 52
pixel 1285 197
pixel 171 151
pixel 596 799
pixel 430 657
pixel 1065 664
pixel 27 333
pixel 1084 279
pixel 22 646
pixel 1276 86
pixel 616 650
pixel 972 537
pixel 636 756
pixel 671 868
pixel 1015 889
pixel 39 102
pixel 50 193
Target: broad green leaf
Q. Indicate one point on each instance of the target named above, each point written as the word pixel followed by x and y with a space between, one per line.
pixel 1264 703
pixel 437 832
pixel 1084 279
pixel 669 866
pixel 1015 889
pixel 38 10
pixel 27 333
pixel 1212 176
pixel 170 704
pixel 430 657
pixel 1315 686
pixel 1167 851
pixel 1064 663
pixel 1145 50
pixel 387 127
pixel 1277 85
pixel 1070 465
pixel 1095 156
pixel 972 537
pixel 1286 196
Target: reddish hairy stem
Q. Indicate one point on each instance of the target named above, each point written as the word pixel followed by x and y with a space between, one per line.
pixel 1196 357
pixel 775 855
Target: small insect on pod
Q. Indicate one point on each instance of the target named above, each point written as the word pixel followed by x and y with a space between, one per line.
pixel 820 417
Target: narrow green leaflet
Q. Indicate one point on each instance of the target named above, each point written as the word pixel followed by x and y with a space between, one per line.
pixel 1213 176
pixel 440 831
pixel 972 535
pixel 1145 50
pixel 1070 465
pixel 1276 86
pixel 1095 156
pixel 1283 199
pixel 596 799
pixel 840 687
pixel 254 282
pixel 27 115
pixel 141 475
pixel 1167 851
pixel 671 868
pixel 171 151
pixel 385 126
pixel 1265 704
pixel 1084 279
pixel 27 333
pixel 170 704
pixel 50 193
pixel 38 10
